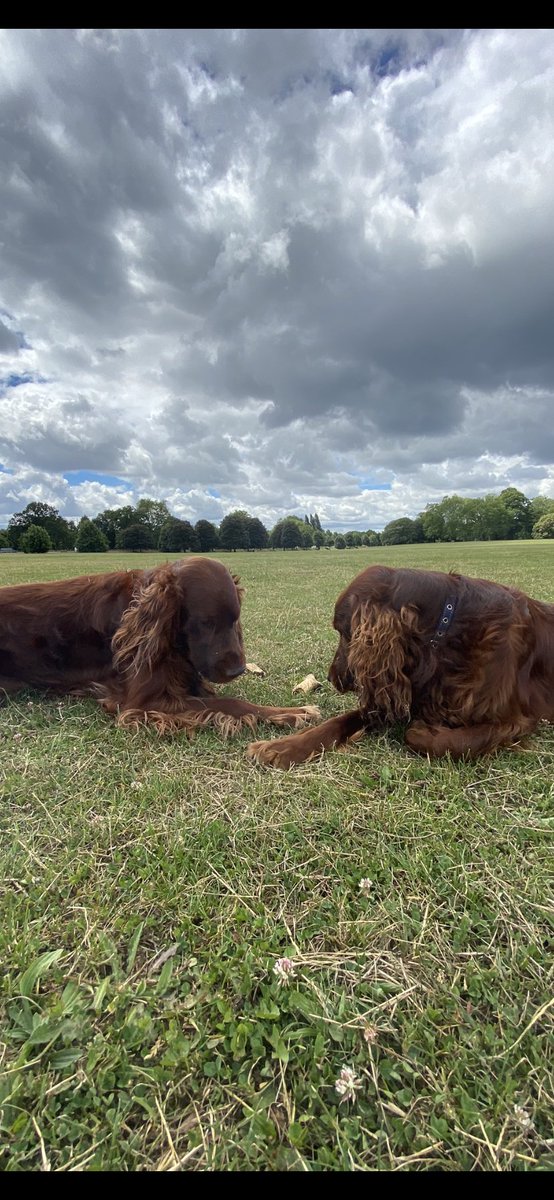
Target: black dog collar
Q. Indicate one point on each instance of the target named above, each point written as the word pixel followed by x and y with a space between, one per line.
pixel 447 616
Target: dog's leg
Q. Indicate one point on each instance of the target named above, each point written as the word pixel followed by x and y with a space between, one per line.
pixel 468 741
pixel 226 714
pixel 299 747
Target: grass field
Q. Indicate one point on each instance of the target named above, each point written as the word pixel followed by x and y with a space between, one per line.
pixel 149 886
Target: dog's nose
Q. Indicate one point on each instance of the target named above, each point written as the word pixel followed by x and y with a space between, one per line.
pixel 234 674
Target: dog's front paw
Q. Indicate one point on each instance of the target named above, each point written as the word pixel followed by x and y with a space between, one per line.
pixel 309 713
pixel 270 754
pixel 297 717
pixel 277 753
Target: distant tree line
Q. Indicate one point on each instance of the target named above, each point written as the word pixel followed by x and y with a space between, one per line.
pixel 509 515
pixel 149 525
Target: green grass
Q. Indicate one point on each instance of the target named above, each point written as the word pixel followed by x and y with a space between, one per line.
pixel 148 886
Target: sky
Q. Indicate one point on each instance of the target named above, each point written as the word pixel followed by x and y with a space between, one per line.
pixel 280 270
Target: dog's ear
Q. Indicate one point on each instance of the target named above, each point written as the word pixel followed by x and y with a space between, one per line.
pixel 241 591
pixel 147 629
pixel 380 655
pixel 345 614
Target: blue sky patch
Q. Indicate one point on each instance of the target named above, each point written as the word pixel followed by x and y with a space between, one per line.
pixel 336 85
pixel 13 381
pixel 74 477
pixel 389 61
pixel 368 485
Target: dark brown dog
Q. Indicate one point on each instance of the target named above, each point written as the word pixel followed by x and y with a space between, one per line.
pixel 467 664
pixel 144 642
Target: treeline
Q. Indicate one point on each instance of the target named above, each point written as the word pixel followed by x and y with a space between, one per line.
pixel 481 519
pixel 149 525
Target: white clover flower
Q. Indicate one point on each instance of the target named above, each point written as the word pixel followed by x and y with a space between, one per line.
pixel 284 969
pixel 366 886
pixel 136 785
pixel 523 1118
pixel 347 1084
pixel 370 1034
pixel 17 737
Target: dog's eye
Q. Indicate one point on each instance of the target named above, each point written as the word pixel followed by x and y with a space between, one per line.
pixel 229 619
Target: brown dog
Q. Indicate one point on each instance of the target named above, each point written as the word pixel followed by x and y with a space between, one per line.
pixel 143 642
pixel 467 664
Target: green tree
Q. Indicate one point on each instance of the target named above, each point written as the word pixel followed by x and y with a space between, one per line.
pixel 483 518
pixel 208 537
pixel 462 517
pixel 453 519
pixel 60 531
pixel 257 533
pixel 433 522
pixel 233 531
pixel 153 513
pixel 353 538
pixel 275 536
pixel 35 540
pixel 401 532
pixel 544 527
pixel 418 530
pixel 340 542
pixel 540 505
pixel 135 537
pixel 307 536
pixel 3 539
pixel 90 539
pixel 519 508
pixel 475 519
pixel 176 537
pixel 292 534
pixel 112 520
pixel 319 538
pixel 492 520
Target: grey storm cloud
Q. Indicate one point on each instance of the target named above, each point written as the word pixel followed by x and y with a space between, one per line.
pixel 8 340
pixel 280 269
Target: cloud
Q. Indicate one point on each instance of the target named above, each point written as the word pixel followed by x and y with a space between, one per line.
pixel 302 269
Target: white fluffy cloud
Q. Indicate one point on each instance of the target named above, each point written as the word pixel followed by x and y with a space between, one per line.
pixel 281 270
